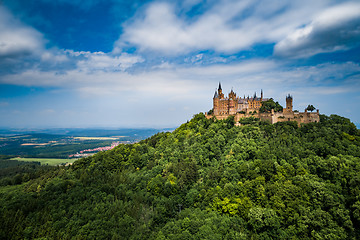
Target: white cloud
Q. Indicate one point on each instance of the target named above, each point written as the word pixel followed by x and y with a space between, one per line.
pixel 105 62
pixel 16 39
pixel 336 28
pixel 228 26
pixel 22 49
pixel 195 59
pixel 54 56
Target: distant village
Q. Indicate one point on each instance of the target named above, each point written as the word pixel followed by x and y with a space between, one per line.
pixel 92 151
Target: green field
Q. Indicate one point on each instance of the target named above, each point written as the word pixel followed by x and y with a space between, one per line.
pixel 47 161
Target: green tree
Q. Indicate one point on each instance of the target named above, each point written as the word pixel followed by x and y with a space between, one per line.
pixel 270 104
pixel 310 108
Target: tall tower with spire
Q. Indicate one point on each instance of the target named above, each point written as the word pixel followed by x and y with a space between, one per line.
pixel 220 93
pixel 216 100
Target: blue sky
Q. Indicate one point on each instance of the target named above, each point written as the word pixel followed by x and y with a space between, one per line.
pixel 72 63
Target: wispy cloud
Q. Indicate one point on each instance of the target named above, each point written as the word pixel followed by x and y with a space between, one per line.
pixel 227 26
pixel 16 39
pixel 336 28
pixel 23 48
pixel 19 43
pixel 106 62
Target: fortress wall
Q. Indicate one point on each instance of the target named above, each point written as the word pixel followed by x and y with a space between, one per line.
pixel 307 117
pixel 267 117
pixel 274 117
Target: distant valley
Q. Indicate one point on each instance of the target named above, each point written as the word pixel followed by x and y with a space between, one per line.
pixel 66 143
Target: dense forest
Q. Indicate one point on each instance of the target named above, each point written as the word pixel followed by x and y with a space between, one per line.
pixel 207 179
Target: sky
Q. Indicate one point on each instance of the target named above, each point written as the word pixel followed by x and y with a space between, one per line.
pixel 120 63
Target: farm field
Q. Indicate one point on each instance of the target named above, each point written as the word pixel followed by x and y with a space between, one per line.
pixel 97 138
pixel 47 161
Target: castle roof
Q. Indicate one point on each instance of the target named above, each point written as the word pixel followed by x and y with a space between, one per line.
pixel 245 100
pixel 219 86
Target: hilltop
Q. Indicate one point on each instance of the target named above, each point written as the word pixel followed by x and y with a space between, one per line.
pixel 207 179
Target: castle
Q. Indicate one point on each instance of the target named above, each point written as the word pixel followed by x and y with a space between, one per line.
pixel 223 107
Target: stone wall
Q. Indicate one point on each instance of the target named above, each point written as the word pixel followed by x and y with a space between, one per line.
pixel 274 117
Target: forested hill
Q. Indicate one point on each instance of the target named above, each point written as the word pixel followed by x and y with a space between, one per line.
pixel 205 180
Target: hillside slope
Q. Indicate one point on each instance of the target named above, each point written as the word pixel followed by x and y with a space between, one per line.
pixel 205 180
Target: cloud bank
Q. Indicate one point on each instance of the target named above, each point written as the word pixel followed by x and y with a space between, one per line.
pixel 336 28
pixel 226 27
pixel 17 39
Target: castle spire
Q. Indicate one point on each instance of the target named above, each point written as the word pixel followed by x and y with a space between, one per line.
pixel 216 94
pixel 220 94
pixel 262 95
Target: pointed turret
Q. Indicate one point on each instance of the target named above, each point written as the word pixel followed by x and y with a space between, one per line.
pixel 262 95
pixel 220 94
pixel 216 94
pixel 232 95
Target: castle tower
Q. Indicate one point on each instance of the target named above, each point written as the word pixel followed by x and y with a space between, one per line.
pixel 233 101
pixel 221 95
pixel 262 95
pixel 216 103
pixel 289 103
pixel 232 95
